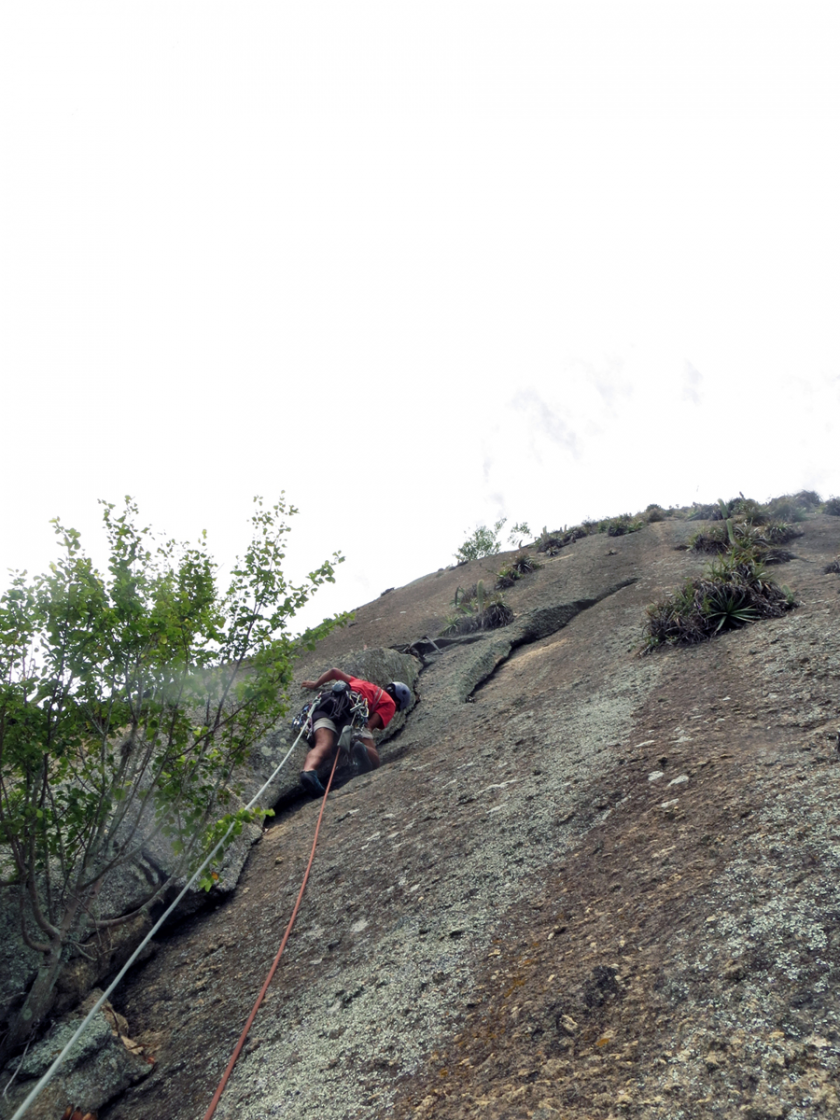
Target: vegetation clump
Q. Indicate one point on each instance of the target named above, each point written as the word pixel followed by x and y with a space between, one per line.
pixel 476 610
pixel 481 542
pixel 759 540
pixel 704 513
pixel 786 507
pixel 733 592
pixel 552 542
pixel 714 540
pixel 794 507
pixel 618 526
pixel 488 542
pixel 778 532
pixel 518 567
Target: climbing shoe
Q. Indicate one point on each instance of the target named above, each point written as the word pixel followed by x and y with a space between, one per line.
pixel 312 783
pixel 360 757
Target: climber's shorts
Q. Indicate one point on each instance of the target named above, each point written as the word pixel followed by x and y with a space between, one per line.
pixel 323 721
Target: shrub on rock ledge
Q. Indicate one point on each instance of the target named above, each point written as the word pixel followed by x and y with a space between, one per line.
pixel 746 540
pixel 733 592
pixel 476 611
pixel 518 567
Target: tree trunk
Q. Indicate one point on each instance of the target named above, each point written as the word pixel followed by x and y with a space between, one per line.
pixel 36 1006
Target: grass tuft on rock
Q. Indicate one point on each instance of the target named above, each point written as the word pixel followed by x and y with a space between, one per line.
pixel 619 526
pixel 734 591
pixel 520 566
pixel 760 540
pixel 552 542
pixel 476 610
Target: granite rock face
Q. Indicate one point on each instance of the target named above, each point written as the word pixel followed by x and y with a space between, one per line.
pixel 583 883
pixel 99 1066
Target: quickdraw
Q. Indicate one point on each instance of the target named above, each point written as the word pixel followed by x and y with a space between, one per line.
pixel 358 718
pixel 302 718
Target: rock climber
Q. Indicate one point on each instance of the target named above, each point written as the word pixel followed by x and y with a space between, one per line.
pixel 383 704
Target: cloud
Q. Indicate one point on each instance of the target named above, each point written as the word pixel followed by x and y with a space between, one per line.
pixel 545 419
pixel 605 377
pixel 692 380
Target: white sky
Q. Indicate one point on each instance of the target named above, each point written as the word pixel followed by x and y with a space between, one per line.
pixel 420 265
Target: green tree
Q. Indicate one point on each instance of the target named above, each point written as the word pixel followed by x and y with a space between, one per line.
pixel 127 701
pixel 481 542
pixel 519 534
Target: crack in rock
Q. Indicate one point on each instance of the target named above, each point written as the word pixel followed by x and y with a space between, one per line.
pixel 537 624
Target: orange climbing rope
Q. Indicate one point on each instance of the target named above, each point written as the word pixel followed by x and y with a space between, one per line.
pixel 238 1048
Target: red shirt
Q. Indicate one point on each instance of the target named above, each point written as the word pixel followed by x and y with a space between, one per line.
pixel 378 700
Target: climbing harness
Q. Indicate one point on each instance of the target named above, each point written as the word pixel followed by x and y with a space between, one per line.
pixel 342 706
pixel 355 725
pixel 48 1076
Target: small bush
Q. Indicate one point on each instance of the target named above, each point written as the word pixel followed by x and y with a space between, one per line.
pixel 476 611
pixel 552 542
pixel 747 509
pixel 706 513
pixel 793 507
pixel 832 506
pixel 786 509
pixel 519 534
pixel 466 596
pixel 655 513
pixel 621 525
pixel 488 542
pixel 496 613
pixel 714 540
pixel 518 567
pixel 834 566
pixel 744 536
pixel 733 592
pixel 779 556
pixel 482 542
pixel 809 499
pixel 778 532
pixel 612 526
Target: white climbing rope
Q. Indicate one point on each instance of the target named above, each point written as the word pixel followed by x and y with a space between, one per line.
pixel 48 1076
